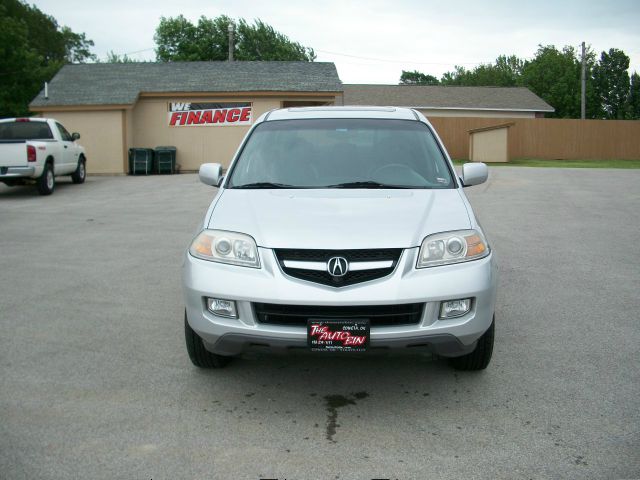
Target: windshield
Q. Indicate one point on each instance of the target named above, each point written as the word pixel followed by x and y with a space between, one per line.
pixel 341 153
pixel 25 131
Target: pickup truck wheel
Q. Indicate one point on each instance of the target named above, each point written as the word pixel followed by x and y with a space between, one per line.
pixel 81 173
pixel 481 356
pixel 47 181
pixel 199 356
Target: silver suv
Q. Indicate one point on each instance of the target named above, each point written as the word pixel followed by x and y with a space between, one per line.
pixel 340 229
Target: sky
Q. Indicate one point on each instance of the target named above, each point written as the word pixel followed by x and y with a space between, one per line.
pixel 373 41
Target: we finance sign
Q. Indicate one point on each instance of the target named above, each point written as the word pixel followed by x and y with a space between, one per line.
pixel 209 114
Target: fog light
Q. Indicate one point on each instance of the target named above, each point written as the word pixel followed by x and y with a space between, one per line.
pixel 455 308
pixel 223 308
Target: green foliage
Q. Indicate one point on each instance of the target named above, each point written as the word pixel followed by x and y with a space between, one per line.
pixel 76 46
pixel 554 75
pixel 18 66
pixel 178 39
pixel 261 42
pixel 611 81
pixel 113 57
pixel 633 102
pixel 32 49
pixel 504 73
pixel 417 78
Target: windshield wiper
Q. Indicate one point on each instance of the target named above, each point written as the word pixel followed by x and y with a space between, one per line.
pixel 257 185
pixel 366 184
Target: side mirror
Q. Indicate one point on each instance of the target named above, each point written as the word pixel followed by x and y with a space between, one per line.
pixel 75 136
pixel 474 174
pixel 210 174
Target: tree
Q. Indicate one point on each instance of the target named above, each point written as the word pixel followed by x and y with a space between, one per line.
pixel 32 49
pixel 611 81
pixel 509 69
pixel 76 46
pixel 555 76
pixel 113 57
pixel 177 39
pixel 457 77
pixel 417 78
pixel 261 42
pixel 19 67
pixel 633 101
pixel 505 72
pixel 51 41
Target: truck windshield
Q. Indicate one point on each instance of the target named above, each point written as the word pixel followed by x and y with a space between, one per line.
pixel 341 153
pixel 25 131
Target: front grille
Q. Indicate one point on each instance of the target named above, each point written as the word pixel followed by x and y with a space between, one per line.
pixel 378 315
pixel 352 277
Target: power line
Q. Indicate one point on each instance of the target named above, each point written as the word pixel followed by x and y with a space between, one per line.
pixel 127 53
pixel 398 61
pixel 359 57
pixel 139 51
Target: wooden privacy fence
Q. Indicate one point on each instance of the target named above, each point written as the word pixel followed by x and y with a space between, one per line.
pixel 547 138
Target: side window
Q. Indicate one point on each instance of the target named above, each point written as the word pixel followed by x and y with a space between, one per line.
pixel 66 136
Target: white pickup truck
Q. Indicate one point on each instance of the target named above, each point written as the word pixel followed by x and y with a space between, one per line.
pixel 36 150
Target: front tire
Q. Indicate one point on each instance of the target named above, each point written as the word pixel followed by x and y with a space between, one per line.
pixel 478 359
pixel 47 181
pixel 200 356
pixel 81 172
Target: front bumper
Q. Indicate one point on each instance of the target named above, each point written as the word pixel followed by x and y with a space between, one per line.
pixel 451 337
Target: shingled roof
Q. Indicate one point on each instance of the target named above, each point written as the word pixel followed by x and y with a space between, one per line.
pixel 446 97
pixel 122 83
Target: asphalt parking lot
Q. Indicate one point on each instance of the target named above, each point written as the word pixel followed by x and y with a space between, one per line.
pixel 95 381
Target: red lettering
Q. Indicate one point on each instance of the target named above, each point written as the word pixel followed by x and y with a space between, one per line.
pixel 245 116
pixel 354 341
pixel 174 118
pixel 317 329
pixel 219 116
pixel 335 336
pixel 206 116
pixel 233 115
pixel 325 335
pixel 194 117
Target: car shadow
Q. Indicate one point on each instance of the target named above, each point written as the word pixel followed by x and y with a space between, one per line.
pixel 294 386
pixel 31 190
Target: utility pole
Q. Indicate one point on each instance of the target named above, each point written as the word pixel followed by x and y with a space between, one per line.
pixel 231 42
pixel 583 82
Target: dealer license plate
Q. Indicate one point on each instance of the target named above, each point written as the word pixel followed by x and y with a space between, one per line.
pixel 325 335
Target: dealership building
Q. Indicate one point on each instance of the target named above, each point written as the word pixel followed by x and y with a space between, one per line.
pixel 205 108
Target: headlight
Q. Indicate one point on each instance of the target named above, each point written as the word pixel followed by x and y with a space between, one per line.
pixel 226 247
pixel 452 247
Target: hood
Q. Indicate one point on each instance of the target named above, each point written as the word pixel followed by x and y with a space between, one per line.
pixel 339 218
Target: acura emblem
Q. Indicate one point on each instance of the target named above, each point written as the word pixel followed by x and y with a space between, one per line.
pixel 338 266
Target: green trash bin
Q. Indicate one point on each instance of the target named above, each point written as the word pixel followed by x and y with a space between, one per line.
pixel 140 161
pixel 165 159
